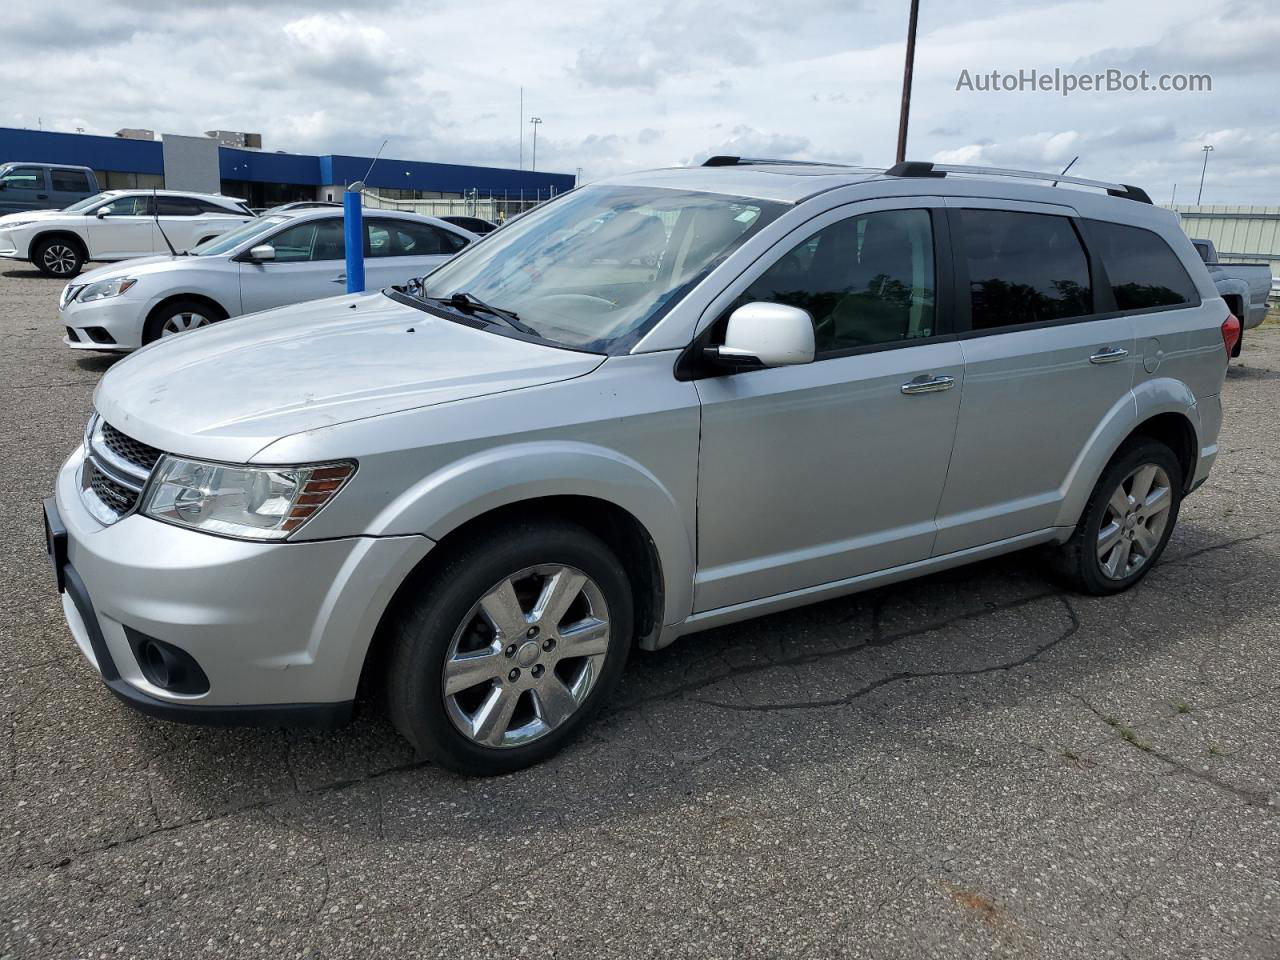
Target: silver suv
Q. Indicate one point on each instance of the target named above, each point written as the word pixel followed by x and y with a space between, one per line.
pixel 661 403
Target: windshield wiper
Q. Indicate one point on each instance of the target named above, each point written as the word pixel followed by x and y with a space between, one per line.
pixel 466 301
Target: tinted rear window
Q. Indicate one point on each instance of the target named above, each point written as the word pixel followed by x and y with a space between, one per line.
pixel 1024 268
pixel 1143 270
pixel 70 181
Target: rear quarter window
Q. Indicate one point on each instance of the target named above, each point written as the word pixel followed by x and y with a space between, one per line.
pixel 1143 269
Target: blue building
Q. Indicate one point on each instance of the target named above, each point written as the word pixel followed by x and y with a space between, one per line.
pixel 264 178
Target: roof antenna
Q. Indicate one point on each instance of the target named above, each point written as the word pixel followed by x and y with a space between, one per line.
pixel 155 211
pixel 1067 167
pixel 365 179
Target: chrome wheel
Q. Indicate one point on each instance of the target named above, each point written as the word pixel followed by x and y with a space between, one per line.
pixel 526 656
pixel 1134 523
pixel 59 259
pixel 182 322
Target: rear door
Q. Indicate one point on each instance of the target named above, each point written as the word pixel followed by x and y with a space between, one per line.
pixel 308 265
pixel 397 250
pixel 67 185
pixel 24 188
pixel 1046 360
pixel 126 228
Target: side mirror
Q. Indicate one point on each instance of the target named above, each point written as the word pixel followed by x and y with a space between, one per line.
pixel 262 252
pixel 766 335
pixel 100 212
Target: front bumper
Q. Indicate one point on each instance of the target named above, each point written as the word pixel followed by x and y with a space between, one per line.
pixel 120 318
pixel 280 629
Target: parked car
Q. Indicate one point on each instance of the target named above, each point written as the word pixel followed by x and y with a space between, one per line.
pixel 43 186
pixel 117 225
pixel 477 225
pixel 656 404
pixel 1244 286
pixel 299 205
pixel 267 262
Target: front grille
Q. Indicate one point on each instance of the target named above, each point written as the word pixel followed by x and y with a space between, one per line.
pixel 119 498
pixel 116 469
pixel 127 448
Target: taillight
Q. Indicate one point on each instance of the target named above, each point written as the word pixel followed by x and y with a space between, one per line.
pixel 1230 333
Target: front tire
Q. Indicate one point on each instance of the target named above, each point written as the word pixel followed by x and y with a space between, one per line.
pixel 58 257
pixel 511 649
pixel 1127 521
pixel 179 316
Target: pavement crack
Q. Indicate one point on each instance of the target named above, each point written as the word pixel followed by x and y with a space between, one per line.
pixel 805 659
pixel 1072 628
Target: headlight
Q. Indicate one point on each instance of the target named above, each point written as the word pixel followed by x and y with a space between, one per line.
pixel 15 225
pixel 105 288
pixel 252 503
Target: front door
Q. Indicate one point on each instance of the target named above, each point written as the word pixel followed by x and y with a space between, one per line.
pixel 24 188
pixel 1044 366
pixel 398 250
pixel 827 471
pixel 126 228
pixel 308 265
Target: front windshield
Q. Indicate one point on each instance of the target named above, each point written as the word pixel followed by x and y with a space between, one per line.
pixel 233 238
pixel 598 267
pixel 86 203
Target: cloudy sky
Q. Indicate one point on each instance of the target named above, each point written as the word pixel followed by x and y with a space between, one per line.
pixel 623 85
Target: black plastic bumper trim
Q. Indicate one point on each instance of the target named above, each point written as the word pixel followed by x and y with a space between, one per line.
pixel 324 716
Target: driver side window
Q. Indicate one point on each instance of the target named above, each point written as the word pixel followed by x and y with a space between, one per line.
pixel 866 280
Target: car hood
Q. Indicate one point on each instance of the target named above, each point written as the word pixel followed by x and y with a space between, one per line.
pixel 227 391
pixel 26 216
pixel 147 266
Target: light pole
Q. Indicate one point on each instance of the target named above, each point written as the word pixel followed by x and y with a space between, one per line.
pixel 906 81
pixel 534 121
pixel 1207 150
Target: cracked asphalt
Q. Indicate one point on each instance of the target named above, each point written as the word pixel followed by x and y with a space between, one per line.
pixel 970 765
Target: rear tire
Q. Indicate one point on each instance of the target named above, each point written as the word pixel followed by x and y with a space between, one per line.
pixel 179 316
pixel 58 257
pixel 481 698
pixel 1127 521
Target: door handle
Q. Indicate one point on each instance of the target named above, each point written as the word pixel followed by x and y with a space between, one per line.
pixel 927 384
pixel 1109 355
pixel 42 196
pixel 340 278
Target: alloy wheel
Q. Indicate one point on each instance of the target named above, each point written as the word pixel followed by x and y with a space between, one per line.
pixel 1134 523
pixel 59 259
pixel 526 656
pixel 182 322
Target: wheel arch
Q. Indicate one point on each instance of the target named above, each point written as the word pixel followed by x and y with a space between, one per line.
pixel 1162 409
pixel 57 233
pixel 624 534
pixel 172 298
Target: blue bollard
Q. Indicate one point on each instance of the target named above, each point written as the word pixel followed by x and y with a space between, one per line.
pixel 353 238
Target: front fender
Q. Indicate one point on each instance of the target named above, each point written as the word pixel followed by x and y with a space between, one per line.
pixel 1146 400
pixel 485 481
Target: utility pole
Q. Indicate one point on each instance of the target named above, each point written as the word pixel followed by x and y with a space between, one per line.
pixel 522 128
pixel 906 80
pixel 1207 150
pixel 533 122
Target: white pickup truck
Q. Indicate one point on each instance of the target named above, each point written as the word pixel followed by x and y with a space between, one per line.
pixel 1244 286
pixel 117 225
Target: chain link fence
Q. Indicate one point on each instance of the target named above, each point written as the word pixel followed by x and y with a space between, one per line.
pixel 495 209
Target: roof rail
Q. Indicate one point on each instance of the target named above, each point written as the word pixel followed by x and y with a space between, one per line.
pixel 724 161
pixel 923 168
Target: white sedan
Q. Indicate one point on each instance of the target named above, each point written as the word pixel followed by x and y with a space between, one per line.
pixel 117 225
pixel 274 260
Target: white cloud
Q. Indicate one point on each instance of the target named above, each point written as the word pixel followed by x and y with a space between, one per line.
pixel 624 85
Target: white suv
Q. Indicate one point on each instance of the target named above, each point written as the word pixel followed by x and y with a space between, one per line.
pixel 653 405
pixel 117 225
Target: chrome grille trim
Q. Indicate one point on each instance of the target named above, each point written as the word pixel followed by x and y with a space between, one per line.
pixel 115 471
